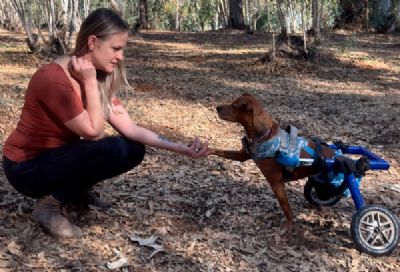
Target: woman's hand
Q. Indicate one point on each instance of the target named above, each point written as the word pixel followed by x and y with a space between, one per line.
pixel 196 149
pixel 82 70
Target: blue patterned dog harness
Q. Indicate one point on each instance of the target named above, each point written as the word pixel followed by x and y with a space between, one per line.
pixel 285 147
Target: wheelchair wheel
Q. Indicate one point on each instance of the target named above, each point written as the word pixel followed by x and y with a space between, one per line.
pixel 312 197
pixel 375 230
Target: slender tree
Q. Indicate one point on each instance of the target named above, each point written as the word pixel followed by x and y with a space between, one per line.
pixel 143 18
pixel 177 16
pixel 281 10
pixel 86 8
pixel 315 17
pixel 223 12
pixel 397 13
pixel 236 20
pixel 366 14
pixel 24 11
pixel 351 15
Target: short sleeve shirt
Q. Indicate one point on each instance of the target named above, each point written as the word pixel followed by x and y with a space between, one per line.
pixel 50 101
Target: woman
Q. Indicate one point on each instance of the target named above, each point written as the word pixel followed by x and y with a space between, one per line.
pixel 58 150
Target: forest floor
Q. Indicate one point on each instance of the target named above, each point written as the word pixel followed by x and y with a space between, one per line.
pixel 213 214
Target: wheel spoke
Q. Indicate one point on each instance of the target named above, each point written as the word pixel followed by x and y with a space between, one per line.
pixel 378 218
pixel 369 235
pixel 387 225
pixel 377 231
pixel 387 235
pixel 367 225
pixel 367 229
pixel 371 239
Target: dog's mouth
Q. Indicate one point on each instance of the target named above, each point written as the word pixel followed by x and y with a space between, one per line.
pixel 221 112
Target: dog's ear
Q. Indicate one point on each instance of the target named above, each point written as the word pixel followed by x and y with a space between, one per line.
pixel 242 104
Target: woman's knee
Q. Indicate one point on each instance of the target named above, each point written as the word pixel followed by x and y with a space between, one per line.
pixel 136 152
pixel 131 152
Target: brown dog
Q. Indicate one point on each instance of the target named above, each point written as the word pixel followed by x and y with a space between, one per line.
pixel 260 127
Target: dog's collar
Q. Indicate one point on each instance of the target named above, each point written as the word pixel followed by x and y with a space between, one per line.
pixel 265 136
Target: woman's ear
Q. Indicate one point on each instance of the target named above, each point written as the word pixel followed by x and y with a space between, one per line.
pixel 92 42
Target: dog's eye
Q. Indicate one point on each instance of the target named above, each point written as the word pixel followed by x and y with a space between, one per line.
pixel 242 106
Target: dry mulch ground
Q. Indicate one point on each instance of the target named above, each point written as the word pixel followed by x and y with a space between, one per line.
pixel 212 214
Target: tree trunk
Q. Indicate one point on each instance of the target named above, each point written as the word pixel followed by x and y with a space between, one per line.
pixel 366 15
pixel 51 18
pixel 72 20
pixel 86 8
pixel 143 19
pixel 291 16
pixel 215 22
pixel 8 17
pixel 352 14
pixel 320 16
pixel 236 20
pixel 117 7
pixel 223 13
pixel 177 17
pixel 303 27
pixel 282 17
pixel 257 15
pixel 382 16
pixel 247 7
pixel 316 24
pixel 24 14
pixel 398 17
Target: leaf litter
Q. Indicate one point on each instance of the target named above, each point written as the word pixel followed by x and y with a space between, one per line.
pixel 213 214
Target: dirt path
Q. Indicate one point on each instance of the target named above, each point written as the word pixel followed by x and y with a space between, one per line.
pixel 213 214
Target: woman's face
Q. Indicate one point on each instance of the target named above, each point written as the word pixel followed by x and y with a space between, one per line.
pixel 106 53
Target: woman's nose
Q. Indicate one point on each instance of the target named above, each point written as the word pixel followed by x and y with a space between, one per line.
pixel 120 55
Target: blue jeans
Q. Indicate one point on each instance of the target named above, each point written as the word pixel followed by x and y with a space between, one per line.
pixel 67 172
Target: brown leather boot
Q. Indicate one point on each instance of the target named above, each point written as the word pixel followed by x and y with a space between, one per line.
pixel 51 214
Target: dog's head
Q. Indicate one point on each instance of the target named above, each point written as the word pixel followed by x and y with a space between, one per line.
pixel 247 111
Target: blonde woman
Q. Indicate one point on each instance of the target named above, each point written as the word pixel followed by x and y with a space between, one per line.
pixel 58 150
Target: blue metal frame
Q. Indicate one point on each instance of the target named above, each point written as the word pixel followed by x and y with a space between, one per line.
pixel 376 163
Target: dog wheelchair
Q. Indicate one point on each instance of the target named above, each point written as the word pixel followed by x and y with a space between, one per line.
pixel 374 229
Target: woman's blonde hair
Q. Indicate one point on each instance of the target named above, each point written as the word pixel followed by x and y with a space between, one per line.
pixel 103 23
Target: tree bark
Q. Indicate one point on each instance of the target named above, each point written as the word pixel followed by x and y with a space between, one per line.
pixel 223 12
pixel 291 16
pixel 398 16
pixel 247 8
pixel 72 20
pixel 236 20
pixel 282 17
pixel 382 16
pixel 24 14
pixel 303 28
pixel 177 17
pixel 352 14
pixel 8 17
pixel 116 6
pixel 366 15
pixel 143 19
pixel 86 8
pixel 316 22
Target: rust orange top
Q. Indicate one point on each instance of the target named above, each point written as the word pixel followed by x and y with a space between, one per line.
pixel 50 101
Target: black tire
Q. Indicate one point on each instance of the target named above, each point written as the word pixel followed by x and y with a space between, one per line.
pixel 311 196
pixel 375 230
